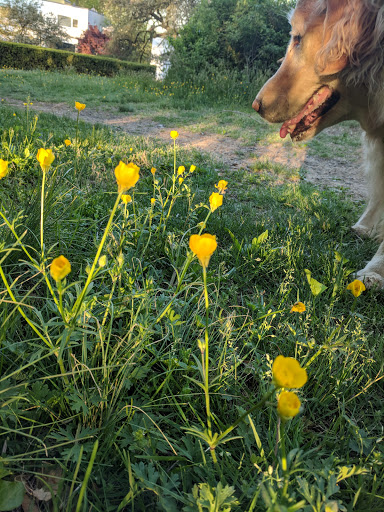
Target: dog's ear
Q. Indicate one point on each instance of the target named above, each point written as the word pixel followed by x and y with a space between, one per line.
pixel 336 59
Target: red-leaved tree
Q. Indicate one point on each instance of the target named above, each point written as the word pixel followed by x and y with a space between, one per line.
pixel 92 41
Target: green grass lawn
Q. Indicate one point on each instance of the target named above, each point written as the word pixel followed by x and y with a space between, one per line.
pixel 139 382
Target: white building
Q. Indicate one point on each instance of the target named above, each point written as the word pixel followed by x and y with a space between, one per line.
pixel 75 20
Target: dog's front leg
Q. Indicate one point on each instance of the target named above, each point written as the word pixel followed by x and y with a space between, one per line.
pixel 370 223
pixel 373 273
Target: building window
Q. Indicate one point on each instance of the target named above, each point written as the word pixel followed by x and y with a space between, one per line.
pixel 75 23
pixel 64 21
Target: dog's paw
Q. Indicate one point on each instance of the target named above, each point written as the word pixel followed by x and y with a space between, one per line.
pixel 371 279
pixel 363 231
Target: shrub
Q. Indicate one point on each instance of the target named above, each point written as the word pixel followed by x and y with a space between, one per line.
pixel 23 56
pixel 93 42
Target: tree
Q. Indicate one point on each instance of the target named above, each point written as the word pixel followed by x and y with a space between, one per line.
pixel 93 42
pixel 233 34
pixel 136 22
pixel 23 22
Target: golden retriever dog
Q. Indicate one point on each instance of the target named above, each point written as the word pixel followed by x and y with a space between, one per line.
pixel 333 70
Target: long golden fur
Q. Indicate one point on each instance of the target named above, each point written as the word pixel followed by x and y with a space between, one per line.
pixel 333 70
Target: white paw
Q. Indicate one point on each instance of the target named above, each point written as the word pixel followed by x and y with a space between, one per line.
pixel 371 279
pixel 363 231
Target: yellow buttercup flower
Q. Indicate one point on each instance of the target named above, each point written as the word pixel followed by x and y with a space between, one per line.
pixel 288 405
pixel 79 106
pixel 153 171
pixel 180 170
pixel 126 175
pixel 298 307
pixel 192 168
pixel 287 373
pixel 153 201
pixel 60 267
pixel 222 186
pixel 174 134
pixel 181 180
pixel 203 246
pixel 67 142
pixel 3 168
pixel 126 198
pixel 45 157
pixel 357 287
pixel 215 201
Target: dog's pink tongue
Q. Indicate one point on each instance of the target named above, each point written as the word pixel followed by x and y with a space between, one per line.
pixel 313 103
pixel 284 130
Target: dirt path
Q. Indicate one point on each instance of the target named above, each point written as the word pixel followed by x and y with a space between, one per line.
pixel 335 173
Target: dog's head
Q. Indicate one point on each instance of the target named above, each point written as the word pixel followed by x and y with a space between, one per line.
pixel 324 76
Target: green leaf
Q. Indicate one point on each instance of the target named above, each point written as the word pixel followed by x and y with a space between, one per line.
pixel 11 495
pixel 316 287
pixel 260 239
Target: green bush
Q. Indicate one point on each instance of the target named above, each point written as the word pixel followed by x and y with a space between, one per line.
pixel 24 56
pixel 232 34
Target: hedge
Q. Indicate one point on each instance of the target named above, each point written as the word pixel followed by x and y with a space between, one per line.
pixel 25 56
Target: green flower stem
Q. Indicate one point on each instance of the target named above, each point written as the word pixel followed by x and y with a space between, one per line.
pixel 134 210
pixel 100 248
pixel 174 166
pixel 52 292
pixel 206 366
pixel 77 138
pixel 60 292
pixel 206 354
pixel 284 465
pixel 42 218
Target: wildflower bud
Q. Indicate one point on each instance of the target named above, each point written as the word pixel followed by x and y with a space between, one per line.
pixel 3 168
pixel 298 307
pixel 102 261
pixel 222 186
pixel 287 373
pixel 79 106
pixel 215 201
pixel 201 346
pixel 357 287
pixel 45 157
pixel 60 268
pixel 126 175
pixel 120 260
pixel 203 246
pixel 288 405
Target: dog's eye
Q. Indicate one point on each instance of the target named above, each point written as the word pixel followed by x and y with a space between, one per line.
pixel 297 40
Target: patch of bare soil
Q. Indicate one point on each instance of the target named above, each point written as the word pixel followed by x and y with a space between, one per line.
pixel 335 173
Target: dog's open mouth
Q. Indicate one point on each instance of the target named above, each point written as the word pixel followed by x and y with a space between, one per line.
pixel 319 104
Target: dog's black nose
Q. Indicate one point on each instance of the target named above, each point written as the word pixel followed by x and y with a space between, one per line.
pixel 256 104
